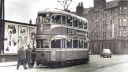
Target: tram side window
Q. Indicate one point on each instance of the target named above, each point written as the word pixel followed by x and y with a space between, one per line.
pixel 80 43
pixel 85 25
pixel 75 22
pixel 56 19
pixel 56 43
pixel 85 44
pixel 69 43
pixel 69 21
pixel 75 43
pixel 80 24
pixel 69 31
pixel 63 20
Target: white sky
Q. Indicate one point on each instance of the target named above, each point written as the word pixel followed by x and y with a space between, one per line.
pixel 24 10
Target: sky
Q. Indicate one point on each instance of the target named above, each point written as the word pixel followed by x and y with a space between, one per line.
pixel 24 10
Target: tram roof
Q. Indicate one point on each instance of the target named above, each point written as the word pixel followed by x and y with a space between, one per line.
pixel 57 11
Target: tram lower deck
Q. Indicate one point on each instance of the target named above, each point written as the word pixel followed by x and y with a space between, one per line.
pixel 62 57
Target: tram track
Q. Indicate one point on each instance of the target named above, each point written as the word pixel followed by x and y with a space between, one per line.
pixel 107 65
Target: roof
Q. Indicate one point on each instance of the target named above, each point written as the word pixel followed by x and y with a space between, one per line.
pixel 19 23
pixel 57 11
pixel 112 4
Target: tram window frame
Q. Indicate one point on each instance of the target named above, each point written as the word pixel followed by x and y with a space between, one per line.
pixel 54 20
pixel 76 44
pixel 69 43
pixel 81 45
pixel 63 19
pixel 85 44
pixel 81 24
pixel 85 25
pixel 45 18
pixel 69 31
pixel 69 21
pixel 75 22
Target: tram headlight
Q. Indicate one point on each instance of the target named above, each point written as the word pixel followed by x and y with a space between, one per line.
pixel 53 55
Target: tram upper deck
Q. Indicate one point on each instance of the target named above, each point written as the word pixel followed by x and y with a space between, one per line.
pixel 63 18
pixel 60 29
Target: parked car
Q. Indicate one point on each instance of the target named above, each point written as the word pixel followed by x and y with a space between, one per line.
pixel 106 53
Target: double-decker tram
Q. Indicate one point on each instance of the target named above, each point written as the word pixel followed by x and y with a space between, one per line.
pixel 62 38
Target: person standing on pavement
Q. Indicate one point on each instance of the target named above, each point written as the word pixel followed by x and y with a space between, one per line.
pixel 28 56
pixel 21 58
pixel 33 57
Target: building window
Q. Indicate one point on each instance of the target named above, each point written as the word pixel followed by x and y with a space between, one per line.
pixel 120 24
pixel 104 35
pixel 124 33
pixel 124 22
pixel 120 33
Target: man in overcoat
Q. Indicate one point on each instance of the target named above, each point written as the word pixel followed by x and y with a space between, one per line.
pixel 21 58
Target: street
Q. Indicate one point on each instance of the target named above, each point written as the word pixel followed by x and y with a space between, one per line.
pixel 118 63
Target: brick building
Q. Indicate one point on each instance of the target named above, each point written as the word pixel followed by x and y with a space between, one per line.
pixel 108 24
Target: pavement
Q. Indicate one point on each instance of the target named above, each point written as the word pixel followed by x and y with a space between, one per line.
pixel 6 64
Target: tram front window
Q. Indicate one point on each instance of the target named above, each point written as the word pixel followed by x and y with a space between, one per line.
pixel 42 43
pixel 69 43
pixel 56 19
pixel 56 43
pixel 45 18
